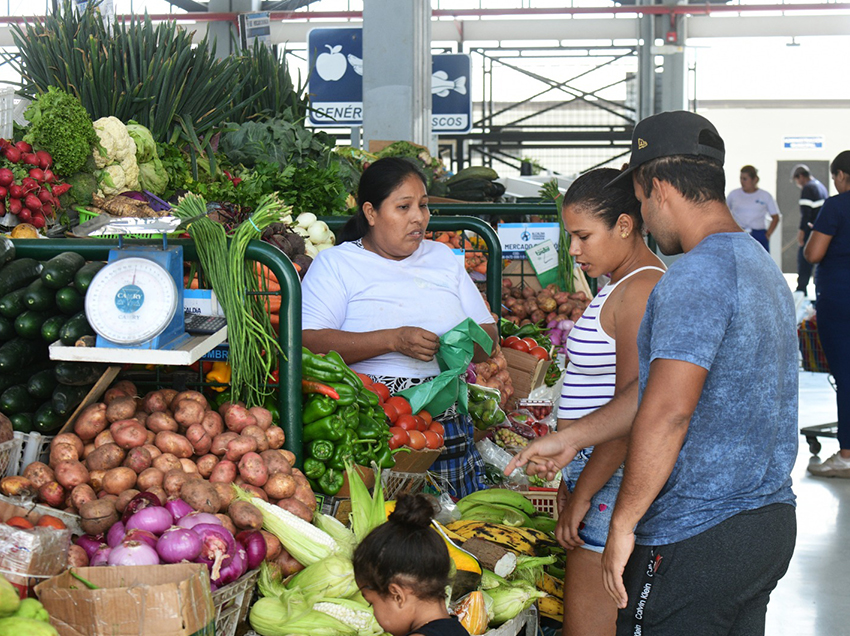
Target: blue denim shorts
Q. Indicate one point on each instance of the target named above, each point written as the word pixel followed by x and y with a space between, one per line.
pixel 593 529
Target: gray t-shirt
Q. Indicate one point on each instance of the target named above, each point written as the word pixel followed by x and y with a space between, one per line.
pixel 725 307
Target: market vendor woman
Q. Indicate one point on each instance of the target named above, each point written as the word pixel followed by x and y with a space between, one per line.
pixel 383 297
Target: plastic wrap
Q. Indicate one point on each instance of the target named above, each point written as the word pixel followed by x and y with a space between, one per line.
pixel 30 556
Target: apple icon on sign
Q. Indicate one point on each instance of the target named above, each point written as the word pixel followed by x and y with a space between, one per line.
pixel 331 66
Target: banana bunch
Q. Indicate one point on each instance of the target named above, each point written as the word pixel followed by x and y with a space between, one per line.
pixel 520 540
pixel 551 607
pixel 504 507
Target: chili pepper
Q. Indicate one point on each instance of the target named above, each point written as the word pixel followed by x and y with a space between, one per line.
pixel 342 451
pixel 316 407
pixel 330 428
pixel 271 405
pixel 384 456
pixel 367 398
pixel 274 376
pixel 320 449
pixel 368 428
pixel 85 582
pixel 320 368
pixel 349 376
pixel 331 482
pixel 220 373
pixel 313 468
pixel 313 386
pixel 351 415
pixel 347 393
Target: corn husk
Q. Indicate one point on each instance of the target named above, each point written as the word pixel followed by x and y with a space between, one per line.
pixel 510 600
pixel 270 581
pixel 358 615
pixel 530 569
pixel 332 578
pixel 343 536
pixel 367 511
pixel 271 617
pixel 490 580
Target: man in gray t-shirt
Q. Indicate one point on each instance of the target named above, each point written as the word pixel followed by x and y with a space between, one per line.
pixel 704 524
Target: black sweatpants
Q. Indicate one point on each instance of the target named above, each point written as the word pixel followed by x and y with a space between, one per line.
pixel 716 583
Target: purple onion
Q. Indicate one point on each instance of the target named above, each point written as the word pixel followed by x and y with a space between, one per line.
pixel 154 519
pixel 233 569
pixel 142 536
pixel 470 374
pixel 178 544
pixel 115 534
pixel 140 502
pixel 133 194
pixel 101 556
pixel 133 553
pixel 194 518
pixel 217 548
pixel 255 547
pixel 89 544
pixel 178 508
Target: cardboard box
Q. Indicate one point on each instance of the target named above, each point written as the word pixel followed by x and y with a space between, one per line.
pixel 417 461
pixel 366 474
pixel 165 600
pixel 526 371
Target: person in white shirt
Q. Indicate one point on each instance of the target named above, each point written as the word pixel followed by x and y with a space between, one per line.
pixel 752 206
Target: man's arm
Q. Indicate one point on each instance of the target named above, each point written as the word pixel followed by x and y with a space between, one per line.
pixel 816 246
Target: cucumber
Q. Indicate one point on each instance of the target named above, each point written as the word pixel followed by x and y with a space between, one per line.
pixel 42 384
pixel 12 304
pixel 84 275
pixel 473 172
pixel 20 353
pixel 46 420
pixel 59 271
pixel 7 250
pixel 21 422
pixel 7 380
pixel 78 373
pixel 69 300
pixel 67 398
pixel 50 328
pixel 75 328
pixel 28 324
pixel 7 329
pixel 19 273
pixel 38 297
pixel 16 399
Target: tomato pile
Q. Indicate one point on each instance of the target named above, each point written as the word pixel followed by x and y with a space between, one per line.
pixel 30 193
pixel 45 521
pixel 414 431
pixel 526 345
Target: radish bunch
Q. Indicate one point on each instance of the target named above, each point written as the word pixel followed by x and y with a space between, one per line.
pixel 32 198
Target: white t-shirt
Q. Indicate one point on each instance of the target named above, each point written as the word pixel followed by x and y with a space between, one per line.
pixel 349 288
pixel 751 209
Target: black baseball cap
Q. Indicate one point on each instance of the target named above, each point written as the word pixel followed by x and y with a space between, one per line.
pixel 678 132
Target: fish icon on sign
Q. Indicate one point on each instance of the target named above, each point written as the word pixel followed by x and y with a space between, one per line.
pixel 441 85
pixel 356 63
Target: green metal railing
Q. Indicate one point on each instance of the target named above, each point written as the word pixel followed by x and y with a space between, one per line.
pixel 495 209
pixel 289 394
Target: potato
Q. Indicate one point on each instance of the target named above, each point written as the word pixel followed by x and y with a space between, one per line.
pixel 159 493
pixel 124 498
pixel 127 387
pixel 118 480
pixel 304 494
pixel 206 464
pixel 141 417
pixel 166 462
pixel 168 395
pixel 273 545
pixel 68 438
pixel 17 486
pixel 119 424
pixel 276 462
pixel 258 434
pixel 173 482
pixel 287 563
pixel 263 416
pixel 52 493
pixel 225 493
pixel 201 495
pixel 113 394
pixel 227 523
pixel 253 470
pixel 174 444
pixel 190 467
pixel 188 412
pixel 259 492
pixel 104 437
pixel 39 473
pixel 225 406
pixel 280 486
pixel 150 438
pixel 219 445
pixel 96 517
pixel 297 508
pixel 245 515
pixel 224 471
pixel 130 436
pixel 107 497
pixel 106 457
pixel 160 421
pixel 276 437
pixel 91 421
pixel 213 424
pixel 71 473
pixel 150 478
pixel 82 494
pixel 139 459
pixel 153 450
pixel 199 439
pixel 237 417
pixel 195 396
pixel 88 449
pixel 96 479
pixel 289 456
pixel 121 408
pixel 63 453
pixel 77 557
pixel 238 447
pixel 154 402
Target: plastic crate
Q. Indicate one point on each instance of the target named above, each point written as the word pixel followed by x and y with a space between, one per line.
pixel 71 521
pixel 88 215
pixel 523 623
pixel 35 447
pixel 811 348
pixel 7 111
pixel 545 500
pixel 9 451
pixel 397 484
pixel 232 603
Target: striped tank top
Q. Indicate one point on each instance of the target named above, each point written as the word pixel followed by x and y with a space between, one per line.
pixel 590 377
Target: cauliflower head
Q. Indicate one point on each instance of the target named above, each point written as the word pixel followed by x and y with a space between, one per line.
pixel 131 172
pixel 112 180
pixel 115 142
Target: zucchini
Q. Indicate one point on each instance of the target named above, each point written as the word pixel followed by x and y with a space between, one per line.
pixel 50 328
pixel 75 328
pixel 46 420
pixel 78 373
pixel 69 300
pixel 19 273
pixel 12 304
pixel 21 353
pixel 21 422
pixel 67 398
pixel 7 329
pixel 42 384
pixel 84 275
pixel 38 297
pixel 16 399
pixel 59 271
pixel 7 250
pixel 28 324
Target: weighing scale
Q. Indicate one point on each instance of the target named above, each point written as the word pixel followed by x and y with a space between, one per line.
pixel 136 301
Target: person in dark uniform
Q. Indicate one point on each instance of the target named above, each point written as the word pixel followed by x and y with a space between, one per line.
pixel 813 194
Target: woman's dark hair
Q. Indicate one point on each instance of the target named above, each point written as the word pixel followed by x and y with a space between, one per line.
pixel 841 162
pixel 377 182
pixel 589 194
pixel 750 171
pixel 405 550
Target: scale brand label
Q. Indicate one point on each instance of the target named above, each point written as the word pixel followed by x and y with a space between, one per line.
pixel 129 299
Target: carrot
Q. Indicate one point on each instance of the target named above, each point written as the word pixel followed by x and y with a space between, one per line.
pixel 481 268
pixel 442 237
pixel 271 303
pixel 270 279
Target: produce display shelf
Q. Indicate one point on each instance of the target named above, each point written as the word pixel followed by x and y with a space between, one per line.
pixel 232 603
pixel 545 500
pixel 9 451
pixel 189 352
pixel 35 447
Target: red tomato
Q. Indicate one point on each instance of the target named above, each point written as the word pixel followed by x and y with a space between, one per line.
pixel 422 425
pixel 49 521
pixel 520 345
pixel 19 522
pixel 392 414
pixel 407 422
pixel 425 415
pixel 399 437
pixel 417 440
pixel 401 405
pixel 539 352
pixel 531 342
pixel 437 428
pixel 432 440
pixel 507 342
pixel 365 378
pixel 382 391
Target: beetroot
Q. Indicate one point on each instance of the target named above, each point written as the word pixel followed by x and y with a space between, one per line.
pixel 30 159
pixel 33 203
pixel 23 146
pixel 49 176
pixel 38 221
pixel 37 174
pixel 29 184
pixel 7 177
pixel 12 154
pixel 16 191
pixel 44 196
pixel 15 206
pixel 44 159
pixel 24 215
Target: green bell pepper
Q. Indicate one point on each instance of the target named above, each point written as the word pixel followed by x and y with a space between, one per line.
pixel 347 394
pixel 330 428
pixel 316 407
pixel 351 415
pixel 271 405
pixel 370 429
pixel 364 453
pixel 221 398
pixel 349 376
pixel 331 482
pixel 319 368
pixel 342 451
pixel 367 399
pixel 384 456
pixel 313 468
pixel 349 436
pixel 320 449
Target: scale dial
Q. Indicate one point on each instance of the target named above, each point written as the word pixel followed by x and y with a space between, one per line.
pixel 131 301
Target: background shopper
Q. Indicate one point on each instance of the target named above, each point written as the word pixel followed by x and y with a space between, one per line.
pixel 812 196
pixel 751 207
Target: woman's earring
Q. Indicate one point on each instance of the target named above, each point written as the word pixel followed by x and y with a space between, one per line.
pixel 624 234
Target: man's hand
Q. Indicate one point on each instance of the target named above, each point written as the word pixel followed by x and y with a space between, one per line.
pixel 416 343
pixel 569 519
pixel 801 238
pixel 618 549
pixel 545 456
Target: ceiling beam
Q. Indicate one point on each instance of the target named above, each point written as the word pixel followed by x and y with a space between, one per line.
pixel 189 6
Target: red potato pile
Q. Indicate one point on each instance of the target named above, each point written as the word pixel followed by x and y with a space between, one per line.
pixel 494 373
pixel 529 306
pixel 173 445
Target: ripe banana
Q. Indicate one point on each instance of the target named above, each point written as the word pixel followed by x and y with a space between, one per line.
pixel 511 538
pixel 551 607
pixel 551 585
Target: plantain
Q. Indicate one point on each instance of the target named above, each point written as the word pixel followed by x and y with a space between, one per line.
pixel 511 538
pixel 500 497
pixel 551 585
pixel 551 607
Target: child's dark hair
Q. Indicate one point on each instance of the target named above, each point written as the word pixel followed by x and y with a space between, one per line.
pixel 405 550
pixel 378 181
pixel 590 195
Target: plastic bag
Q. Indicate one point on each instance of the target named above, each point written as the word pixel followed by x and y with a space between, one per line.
pixel 499 457
pixel 484 406
pixel 448 510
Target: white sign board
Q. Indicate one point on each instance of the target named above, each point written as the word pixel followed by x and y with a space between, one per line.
pixel 803 142
pixel 516 238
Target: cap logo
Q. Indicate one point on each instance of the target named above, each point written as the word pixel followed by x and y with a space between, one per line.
pixel 641 144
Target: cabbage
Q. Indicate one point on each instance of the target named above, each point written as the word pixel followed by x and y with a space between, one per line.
pixel 145 145
pixel 153 177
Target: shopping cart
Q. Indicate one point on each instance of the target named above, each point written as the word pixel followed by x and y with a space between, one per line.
pixel 813 359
